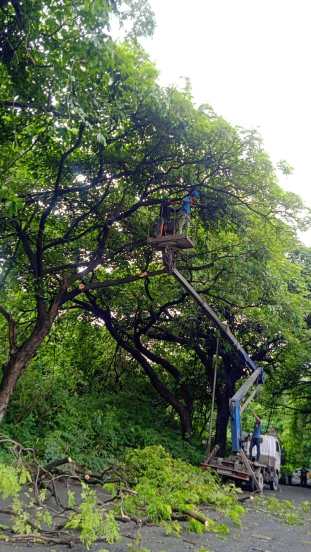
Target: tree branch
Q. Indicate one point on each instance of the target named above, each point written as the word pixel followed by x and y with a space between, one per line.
pixel 84 287
pixel 53 202
pixel 11 328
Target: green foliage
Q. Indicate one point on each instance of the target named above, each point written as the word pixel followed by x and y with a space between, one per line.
pixel 196 526
pixel 285 167
pixel 137 548
pixel 305 505
pixel 110 529
pixel 284 510
pixel 71 498
pixel 43 518
pixel 221 528
pixel 96 421
pixel 90 145
pixel 164 485
pixel 172 528
pixel 91 522
pixel 10 484
pixel 21 524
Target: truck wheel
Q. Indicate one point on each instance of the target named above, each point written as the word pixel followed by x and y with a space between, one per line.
pixel 252 485
pixel 274 483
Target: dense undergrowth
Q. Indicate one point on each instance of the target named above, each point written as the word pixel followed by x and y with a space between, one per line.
pixel 90 404
pixel 97 428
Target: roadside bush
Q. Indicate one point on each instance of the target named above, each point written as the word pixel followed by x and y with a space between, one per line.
pixel 96 429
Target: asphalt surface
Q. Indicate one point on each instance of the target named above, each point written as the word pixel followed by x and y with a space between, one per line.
pixel 260 532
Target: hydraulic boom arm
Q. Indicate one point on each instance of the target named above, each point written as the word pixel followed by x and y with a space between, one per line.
pixel 236 408
pixel 213 316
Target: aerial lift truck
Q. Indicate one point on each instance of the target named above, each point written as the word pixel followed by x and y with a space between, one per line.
pixel 238 466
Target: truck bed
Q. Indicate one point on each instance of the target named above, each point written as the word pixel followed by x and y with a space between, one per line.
pixel 231 467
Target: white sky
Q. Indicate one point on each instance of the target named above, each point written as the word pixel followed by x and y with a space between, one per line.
pixel 249 59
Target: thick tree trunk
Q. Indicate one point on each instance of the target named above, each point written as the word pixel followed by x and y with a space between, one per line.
pixel 223 395
pixel 20 359
pixel 185 422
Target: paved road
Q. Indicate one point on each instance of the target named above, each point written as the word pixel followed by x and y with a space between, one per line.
pixel 261 532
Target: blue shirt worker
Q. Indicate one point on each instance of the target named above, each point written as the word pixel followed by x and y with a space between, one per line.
pixel 256 438
pixel 187 202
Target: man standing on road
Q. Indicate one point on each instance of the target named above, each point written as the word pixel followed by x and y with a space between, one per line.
pixel 256 438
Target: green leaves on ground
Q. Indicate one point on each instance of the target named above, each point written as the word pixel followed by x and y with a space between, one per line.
pixel 12 479
pixel 92 522
pixel 284 510
pixel 165 487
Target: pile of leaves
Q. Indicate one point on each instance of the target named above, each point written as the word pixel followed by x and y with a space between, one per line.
pixel 169 490
pixel 38 513
pixel 64 503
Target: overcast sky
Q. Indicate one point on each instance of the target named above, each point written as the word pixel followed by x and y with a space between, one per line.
pixel 250 59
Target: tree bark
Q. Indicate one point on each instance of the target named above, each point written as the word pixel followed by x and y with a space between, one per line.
pixel 229 374
pixel 185 422
pixel 222 396
pixel 160 387
pixel 19 359
pixel 185 413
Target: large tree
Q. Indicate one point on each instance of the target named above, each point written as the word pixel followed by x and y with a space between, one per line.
pixel 250 278
pixel 67 91
pixel 90 144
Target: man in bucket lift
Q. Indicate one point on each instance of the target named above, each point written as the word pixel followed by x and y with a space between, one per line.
pixel 188 201
pixel 168 223
pixel 166 212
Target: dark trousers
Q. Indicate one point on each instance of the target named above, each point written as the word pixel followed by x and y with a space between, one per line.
pixel 255 442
